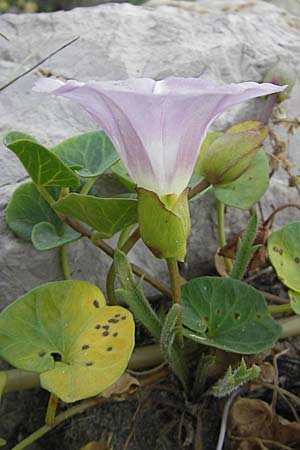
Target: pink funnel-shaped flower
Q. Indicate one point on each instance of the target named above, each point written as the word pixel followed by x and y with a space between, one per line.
pixel 157 127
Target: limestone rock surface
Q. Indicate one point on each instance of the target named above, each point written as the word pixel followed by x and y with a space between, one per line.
pixel 118 41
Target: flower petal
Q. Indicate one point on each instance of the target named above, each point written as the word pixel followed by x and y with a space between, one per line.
pixel 156 127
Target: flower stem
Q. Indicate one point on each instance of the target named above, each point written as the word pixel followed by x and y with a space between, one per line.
pixel 51 410
pixel 87 186
pixel 279 309
pixel 110 280
pixel 200 187
pixel 64 262
pixel 176 293
pixel 221 233
pixel 268 109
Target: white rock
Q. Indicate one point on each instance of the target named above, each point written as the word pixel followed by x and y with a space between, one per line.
pixel 120 41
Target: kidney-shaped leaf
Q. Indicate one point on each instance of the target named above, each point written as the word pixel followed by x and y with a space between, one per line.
pixel 65 332
pixel 284 253
pixel 244 192
pixel 236 315
pixel 27 208
pixel 44 167
pixel 106 215
pixel 90 154
pixel 45 237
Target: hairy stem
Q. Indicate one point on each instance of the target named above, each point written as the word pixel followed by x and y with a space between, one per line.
pixel 221 233
pixel 176 293
pixel 111 276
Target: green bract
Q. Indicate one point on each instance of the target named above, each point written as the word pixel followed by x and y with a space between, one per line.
pixel 105 215
pixel 284 254
pixel 66 333
pixel 244 192
pixel 44 167
pixel 227 314
pixel 90 154
pixel 229 156
pixel 164 225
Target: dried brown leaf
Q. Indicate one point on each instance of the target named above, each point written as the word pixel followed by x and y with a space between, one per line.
pixel 124 386
pixel 252 424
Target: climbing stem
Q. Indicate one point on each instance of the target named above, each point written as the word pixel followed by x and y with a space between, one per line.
pixel 176 292
pixel 110 280
pixel 88 185
pixel 221 233
pixel 51 410
pixel 279 309
pixel 64 262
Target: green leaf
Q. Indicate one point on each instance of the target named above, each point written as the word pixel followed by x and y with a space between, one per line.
pixel 105 215
pixel 27 208
pixel 244 192
pixel 13 136
pixel 236 315
pixel 66 333
pixel 295 301
pixel 45 237
pixel 2 442
pixel 121 174
pixel 233 379
pixel 284 254
pixel 245 249
pixel 90 154
pixel 44 167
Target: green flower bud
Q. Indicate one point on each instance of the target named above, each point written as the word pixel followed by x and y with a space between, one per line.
pixel 229 156
pixel 281 74
pixel 164 223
